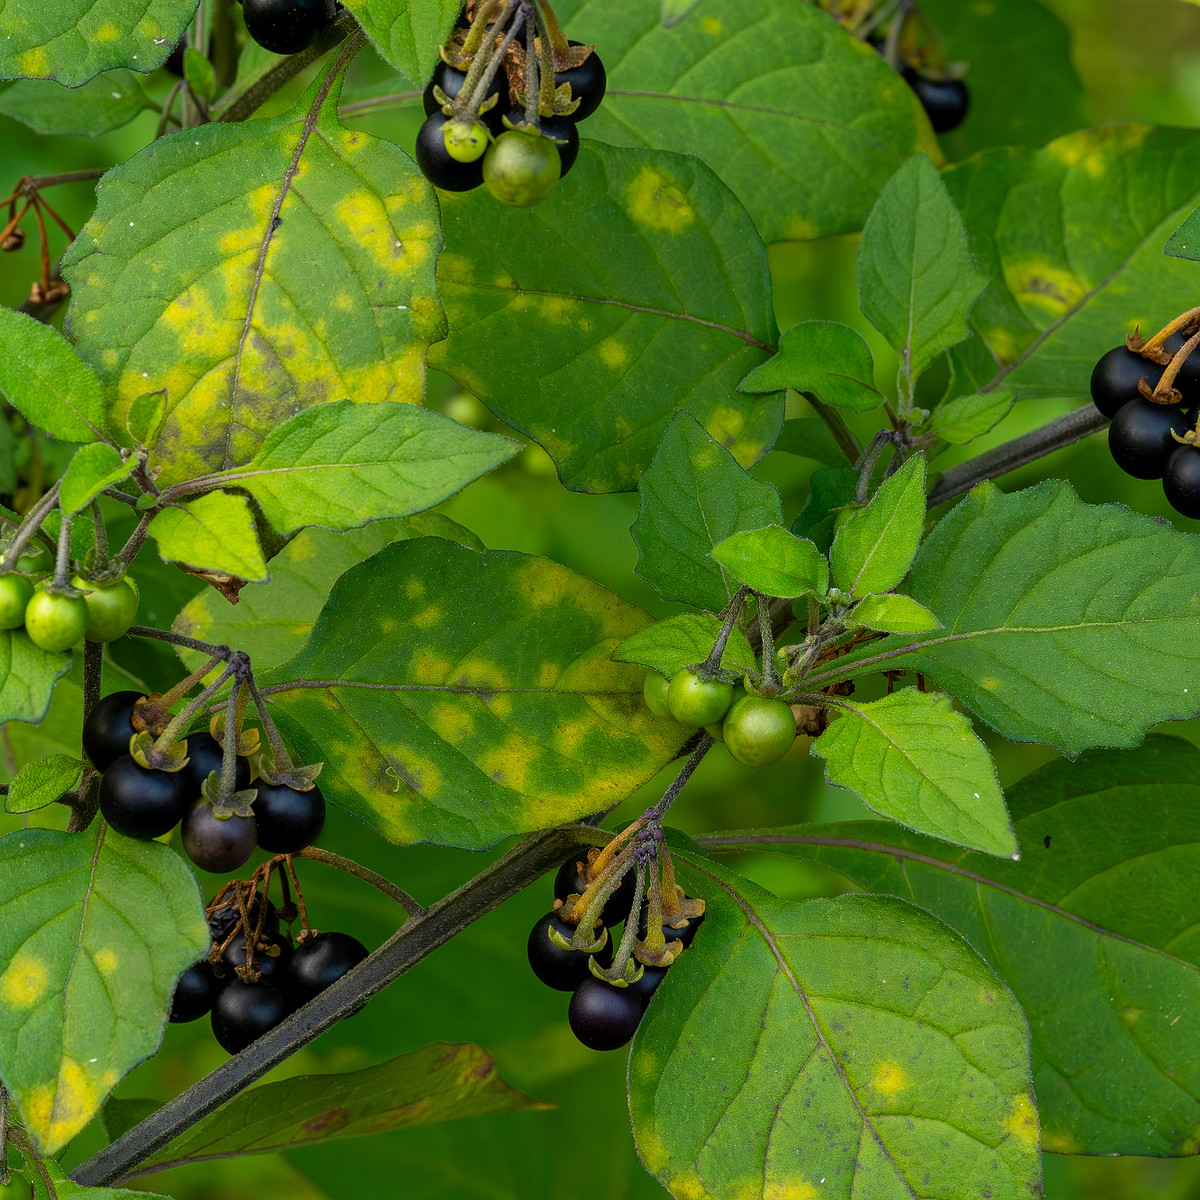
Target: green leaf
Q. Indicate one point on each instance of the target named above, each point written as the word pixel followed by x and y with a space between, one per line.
pixel 233 223
pixel 809 437
pixel 916 279
pixel 407 33
pixel 692 496
pixel 845 1047
pixel 94 468
pixel 198 71
pixel 27 677
pixel 74 42
pixel 829 360
pixel 1065 623
pixel 589 335
pixel 669 646
pixel 66 1188
pixel 272 621
pixel 344 464
pixel 965 418
pixel 43 378
pixel 41 782
pixel 828 493
pixel 873 551
pixel 894 614
pixel 778 101
pixel 213 533
pixel 145 417
pixel 911 757
pixel 774 562
pixel 436 1083
pixel 94 930
pixel 1094 930
pixel 106 103
pixel 462 731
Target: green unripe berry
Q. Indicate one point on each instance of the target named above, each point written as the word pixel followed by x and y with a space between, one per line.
pixel 521 169
pixel 55 622
pixel 759 731
pixel 111 608
pixel 654 692
pixel 15 593
pixel 697 702
pixel 465 143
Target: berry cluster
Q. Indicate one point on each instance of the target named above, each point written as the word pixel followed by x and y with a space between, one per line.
pixel 255 975
pixel 756 730
pixel 946 101
pixel 479 129
pixel 603 1015
pixel 287 26
pixel 146 802
pixel 1152 398
pixel 58 617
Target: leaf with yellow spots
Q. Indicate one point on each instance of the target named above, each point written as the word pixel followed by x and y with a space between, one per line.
pixel 830 1048
pixel 437 1083
pixel 72 42
pixel 408 33
pixel 1094 930
pixel 590 335
pixel 498 711
pixel 94 930
pixel 1062 622
pixel 254 270
pixel 778 99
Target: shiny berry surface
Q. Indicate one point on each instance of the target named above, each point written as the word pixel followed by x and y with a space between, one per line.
pixel 521 169
pixel 946 101
pixel 195 991
pixel 108 728
pixel 1140 437
pixel 450 80
pixel 288 820
pixel 1181 481
pixel 141 803
pixel 55 622
pixel 758 731
pixel 435 161
pixel 217 844
pixel 285 26
pixel 15 593
pixel 588 83
pixel 697 702
pixel 1115 377
pixel 563 970
pixel 323 961
pixel 243 1012
pixel 205 756
pixel 272 958
pixel 604 1017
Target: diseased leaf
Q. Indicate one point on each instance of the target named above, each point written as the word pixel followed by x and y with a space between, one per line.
pixel 916 279
pixel 72 42
pixel 41 782
pixel 669 646
pixel 107 102
pixel 911 757
pixel 589 335
pixel 830 360
pixel 344 464
pixel 1094 930
pixel 196 274
pixel 894 614
pixel 439 1082
pixel 407 33
pixel 43 378
pixel 213 532
pixel 846 1047
pixel 460 728
pixel 692 496
pixel 778 99
pixel 774 562
pixel 1064 622
pixel 873 551
pixel 94 468
pixel 94 930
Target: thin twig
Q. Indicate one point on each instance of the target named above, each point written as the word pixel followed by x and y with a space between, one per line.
pixel 376 880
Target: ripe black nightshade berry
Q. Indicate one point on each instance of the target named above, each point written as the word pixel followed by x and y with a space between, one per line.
pixel 569 882
pixel 285 26
pixel 1140 437
pixel 223 921
pixel 604 1017
pixel 217 844
pixel 945 101
pixel 195 991
pixel 108 728
pixel 437 165
pixel 450 80
pixel 243 1012
pixel 322 961
pixel 205 756
pixel 588 83
pixel 1115 377
pixel 647 985
pixel 288 820
pixel 272 959
pixel 143 803
pixel 1181 481
pixel 563 970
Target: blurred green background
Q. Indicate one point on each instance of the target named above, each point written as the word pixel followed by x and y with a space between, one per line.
pixel 1137 60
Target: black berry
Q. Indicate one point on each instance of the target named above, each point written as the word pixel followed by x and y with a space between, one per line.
pixel 569 882
pixel 285 26
pixel 143 803
pixel 1140 437
pixel 945 101
pixel 1115 377
pixel 1181 481
pixel 604 1017
pixel 436 164
pixel 450 80
pixel 195 991
pixel 563 970
pixel 223 921
pixel 647 985
pixel 588 83
pixel 272 958
pixel 322 961
pixel 205 756
pixel 109 727
pixel 243 1012
pixel 288 820
pixel 217 844
pixel 174 63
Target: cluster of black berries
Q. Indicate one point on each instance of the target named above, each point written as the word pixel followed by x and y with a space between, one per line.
pixel 944 98
pixel 1145 437
pixel 603 1016
pixel 142 802
pixel 287 26
pixel 520 164
pixel 249 994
